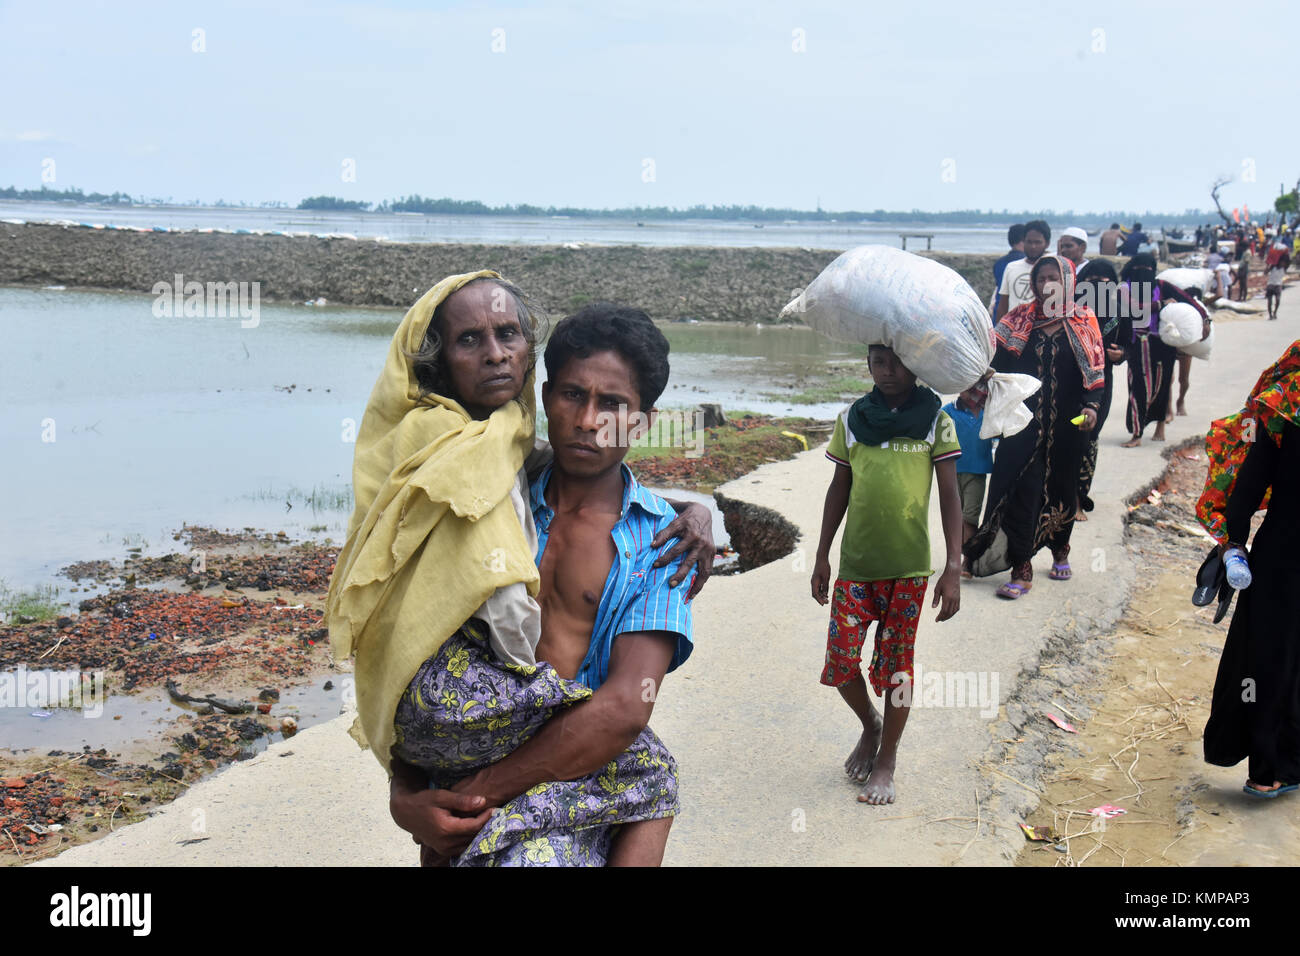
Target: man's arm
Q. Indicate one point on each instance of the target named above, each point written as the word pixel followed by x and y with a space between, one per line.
pixel 1001 309
pixel 590 734
pixel 693 526
pixel 837 502
pixel 948 589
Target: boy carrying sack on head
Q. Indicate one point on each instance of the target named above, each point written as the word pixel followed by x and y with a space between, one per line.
pixel 886 446
pixel 976 461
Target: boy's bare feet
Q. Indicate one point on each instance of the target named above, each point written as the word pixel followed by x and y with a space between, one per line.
pixel 880 786
pixel 863 758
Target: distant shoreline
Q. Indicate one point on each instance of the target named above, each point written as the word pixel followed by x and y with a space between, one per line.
pixel 729 284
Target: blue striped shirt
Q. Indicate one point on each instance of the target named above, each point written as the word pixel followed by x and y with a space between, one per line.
pixel 636 596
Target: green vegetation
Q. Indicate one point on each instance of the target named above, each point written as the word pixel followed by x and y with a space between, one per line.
pixel 24 607
pixel 45 194
pixel 320 498
pixel 333 203
pixel 578 300
pixel 843 388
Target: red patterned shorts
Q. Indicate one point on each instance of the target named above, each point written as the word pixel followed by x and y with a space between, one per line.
pixel 896 603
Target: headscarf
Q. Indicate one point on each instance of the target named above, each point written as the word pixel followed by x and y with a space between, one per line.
pixel 1273 403
pixel 1100 271
pixel 433 533
pixel 1013 331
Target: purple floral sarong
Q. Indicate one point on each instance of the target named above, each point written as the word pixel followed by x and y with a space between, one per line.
pixel 464 710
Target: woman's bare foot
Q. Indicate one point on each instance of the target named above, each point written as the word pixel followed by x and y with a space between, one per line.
pixel 863 758
pixel 1132 442
pixel 1081 515
pixel 1170 416
pixel 1160 432
pixel 1182 407
pixel 880 786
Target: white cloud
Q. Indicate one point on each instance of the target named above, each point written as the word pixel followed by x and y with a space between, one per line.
pixel 33 136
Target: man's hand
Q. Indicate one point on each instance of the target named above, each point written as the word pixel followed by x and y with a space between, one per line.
pixel 441 820
pixel 693 527
pixel 821 580
pixel 947 590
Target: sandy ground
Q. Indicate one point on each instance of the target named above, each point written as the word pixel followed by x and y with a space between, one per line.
pixel 761 744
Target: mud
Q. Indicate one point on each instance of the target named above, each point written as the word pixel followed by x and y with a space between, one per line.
pixel 727 284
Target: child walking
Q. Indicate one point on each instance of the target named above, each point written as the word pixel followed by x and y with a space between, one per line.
pixel 886 446
pixel 976 461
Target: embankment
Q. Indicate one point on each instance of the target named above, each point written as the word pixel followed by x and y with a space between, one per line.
pixel 727 284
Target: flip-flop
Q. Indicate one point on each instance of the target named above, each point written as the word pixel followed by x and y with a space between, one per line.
pixel 1269 794
pixel 1011 591
pixel 1060 571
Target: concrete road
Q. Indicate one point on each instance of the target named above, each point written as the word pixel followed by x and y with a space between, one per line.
pixel 759 742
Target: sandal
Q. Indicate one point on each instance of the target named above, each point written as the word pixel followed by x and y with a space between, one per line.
pixel 1012 590
pixel 1269 794
pixel 1060 571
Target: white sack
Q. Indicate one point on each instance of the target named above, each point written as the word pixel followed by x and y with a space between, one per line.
pixel 1185 279
pixel 1004 410
pixel 1202 349
pixel 924 311
pixel 1180 324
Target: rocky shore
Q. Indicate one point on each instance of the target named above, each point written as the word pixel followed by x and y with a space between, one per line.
pixel 725 284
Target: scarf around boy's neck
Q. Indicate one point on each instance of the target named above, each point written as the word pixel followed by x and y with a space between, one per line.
pixel 873 422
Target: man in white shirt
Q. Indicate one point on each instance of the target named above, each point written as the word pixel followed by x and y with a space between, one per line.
pixel 1015 290
pixel 1072 245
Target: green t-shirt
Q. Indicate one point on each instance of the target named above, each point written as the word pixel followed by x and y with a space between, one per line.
pixel 887 530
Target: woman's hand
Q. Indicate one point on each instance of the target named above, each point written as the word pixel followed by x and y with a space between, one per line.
pixel 1089 420
pixel 441 820
pixel 1114 353
pixel 693 527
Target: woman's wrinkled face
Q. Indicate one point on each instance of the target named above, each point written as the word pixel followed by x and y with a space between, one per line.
pixel 1049 289
pixel 484 350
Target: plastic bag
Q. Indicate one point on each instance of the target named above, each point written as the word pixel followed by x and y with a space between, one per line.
pixel 924 311
pixel 1004 410
pixel 1180 324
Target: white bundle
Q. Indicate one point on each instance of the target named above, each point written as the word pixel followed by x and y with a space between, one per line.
pixel 927 313
pixel 924 311
pixel 1201 349
pixel 1185 279
pixel 1180 324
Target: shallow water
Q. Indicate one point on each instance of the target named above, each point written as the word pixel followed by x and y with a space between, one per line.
pixel 117 426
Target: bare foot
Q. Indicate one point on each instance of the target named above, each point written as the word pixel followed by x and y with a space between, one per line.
pixel 880 787
pixel 1081 515
pixel 863 758
pixel 1182 408
pixel 1160 432
pixel 1132 442
pixel 1168 418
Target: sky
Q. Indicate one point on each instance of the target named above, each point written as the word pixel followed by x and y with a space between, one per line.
pixel 903 105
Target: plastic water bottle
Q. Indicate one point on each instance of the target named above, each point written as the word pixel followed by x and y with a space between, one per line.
pixel 1237 567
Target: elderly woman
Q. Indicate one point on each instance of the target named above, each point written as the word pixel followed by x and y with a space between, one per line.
pixel 434 592
pixel 1033 493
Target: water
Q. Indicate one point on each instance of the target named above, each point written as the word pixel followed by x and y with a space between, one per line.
pixel 158 422
pixel 525 230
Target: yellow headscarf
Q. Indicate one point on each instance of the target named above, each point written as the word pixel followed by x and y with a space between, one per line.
pixel 433 532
